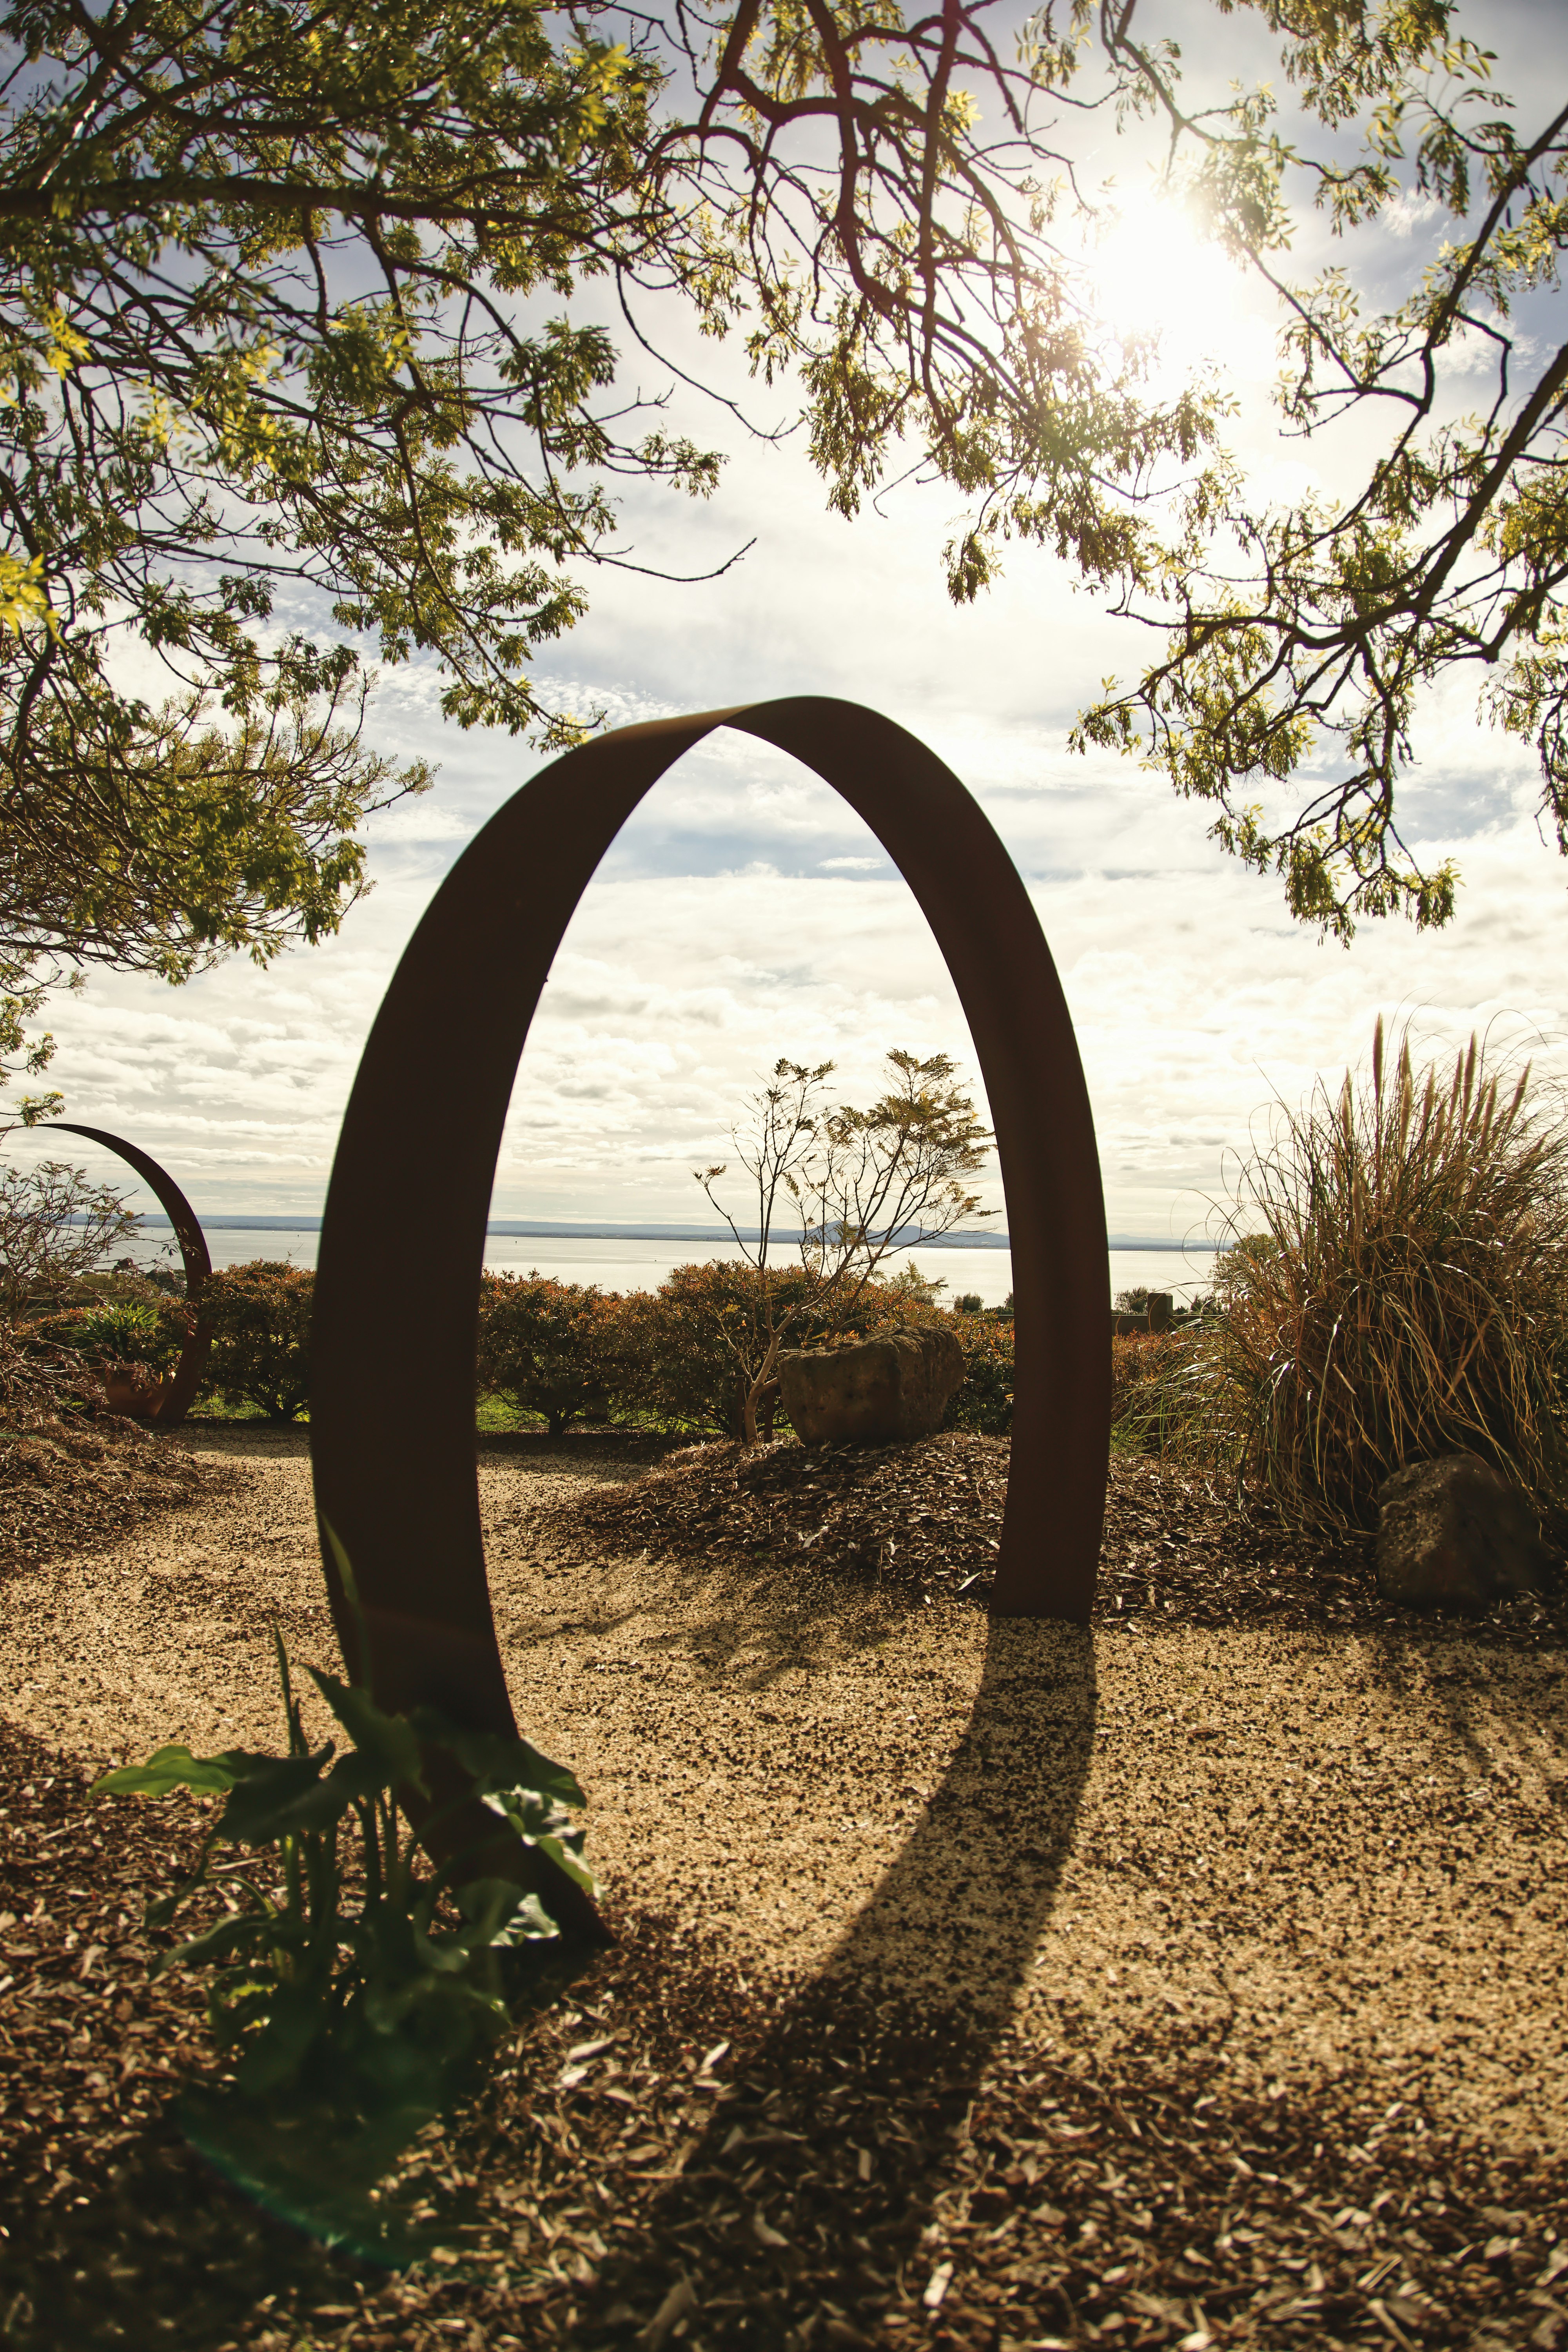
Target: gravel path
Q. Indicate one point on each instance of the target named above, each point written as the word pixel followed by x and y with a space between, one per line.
pixel 1307 1857
pixel 1342 1845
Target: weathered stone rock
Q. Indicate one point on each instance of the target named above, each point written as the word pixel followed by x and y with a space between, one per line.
pixel 1160 1311
pixel 1457 1534
pixel 896 1385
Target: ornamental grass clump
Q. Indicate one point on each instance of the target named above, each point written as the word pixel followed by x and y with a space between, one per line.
pixel 1395 1288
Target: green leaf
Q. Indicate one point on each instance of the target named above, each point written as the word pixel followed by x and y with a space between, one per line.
pixel 504 1913
pixel 272 1798
pixel 388 1744
pixel 562 1855
pixel 499 1761
pixel 243 1931
pixel 170 1767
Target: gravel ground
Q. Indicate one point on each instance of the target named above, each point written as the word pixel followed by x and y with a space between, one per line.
pixel 1183 1982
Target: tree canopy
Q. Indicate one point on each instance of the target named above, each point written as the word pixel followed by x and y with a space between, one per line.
pixel 294 384
pixel 1304 632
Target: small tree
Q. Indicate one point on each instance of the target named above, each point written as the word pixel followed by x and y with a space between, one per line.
pixel 260 1318
pixel 553 1346
pixel 56 1226
pixel 859 1184
pixel 687 1343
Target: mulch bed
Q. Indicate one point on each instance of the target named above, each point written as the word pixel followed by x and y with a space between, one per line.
pixel 925 1519
pixel 674 2156
pixel 77 1484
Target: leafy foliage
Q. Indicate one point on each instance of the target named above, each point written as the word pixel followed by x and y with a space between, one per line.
pixel 689 1343
pixel 1303 633
pixel 111 1331
pixel 374 1996
pixel 260 1318
pixel 984 1400
pixel 354 1991
pixel 675 1356
pixel 285 306
pixel 554 1348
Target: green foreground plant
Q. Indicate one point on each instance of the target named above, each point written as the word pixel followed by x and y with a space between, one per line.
pixel 1396 1287
pixel 355 1992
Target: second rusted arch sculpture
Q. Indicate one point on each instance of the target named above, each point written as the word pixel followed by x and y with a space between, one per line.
pixel 395 1460
pixel 180 1394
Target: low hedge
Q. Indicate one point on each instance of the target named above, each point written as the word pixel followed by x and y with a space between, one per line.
pixel 569 1352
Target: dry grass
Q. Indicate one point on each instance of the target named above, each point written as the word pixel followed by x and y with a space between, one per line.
pixel 1397 1289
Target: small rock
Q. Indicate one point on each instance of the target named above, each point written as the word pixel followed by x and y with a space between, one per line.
pixel 1457 1534
pixel 896 1385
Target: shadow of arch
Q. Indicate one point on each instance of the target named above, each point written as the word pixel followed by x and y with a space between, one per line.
pixel 180 1394
pixel 885 2049
pixel 395 1457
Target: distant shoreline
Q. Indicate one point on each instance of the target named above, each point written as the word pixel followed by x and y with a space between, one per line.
pixel 538 1230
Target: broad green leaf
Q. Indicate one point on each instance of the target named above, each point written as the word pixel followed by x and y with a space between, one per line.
pixel 170 1767
pixel 243 1931
pixel 565 1859
pixel 389 1743
pixel 505 1914
pixel 497 1760
pixel 271 1800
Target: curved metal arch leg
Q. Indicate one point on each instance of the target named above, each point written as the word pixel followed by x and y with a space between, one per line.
pixel 181 1391
pixel 394 1461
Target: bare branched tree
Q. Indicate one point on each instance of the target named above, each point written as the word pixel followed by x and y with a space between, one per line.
pixel 855 1187
pixel 56 1225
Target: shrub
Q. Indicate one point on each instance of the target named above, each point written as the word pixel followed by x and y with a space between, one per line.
pixel 261 1319
pixel 553 1347
pixel 56 1226
pixel 984 1400
pixel 1397 1289
pixel 112 1331
pixel 355 1995
pixel 687 1344
pixel 1147 1400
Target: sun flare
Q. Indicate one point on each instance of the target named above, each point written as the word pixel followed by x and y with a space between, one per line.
pixel 1154 277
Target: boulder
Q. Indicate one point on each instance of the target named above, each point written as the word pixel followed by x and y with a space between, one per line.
pixel 1457 1534
pixel 896 1385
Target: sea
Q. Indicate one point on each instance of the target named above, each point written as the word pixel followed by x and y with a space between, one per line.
pixel 632 1263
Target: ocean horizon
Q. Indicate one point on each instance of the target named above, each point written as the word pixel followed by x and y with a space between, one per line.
pixel 640 1257
pixel 540 1229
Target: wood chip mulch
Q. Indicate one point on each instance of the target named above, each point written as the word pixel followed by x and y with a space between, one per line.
pixel 674 2156
pixel 71 1484
pixel 925 1519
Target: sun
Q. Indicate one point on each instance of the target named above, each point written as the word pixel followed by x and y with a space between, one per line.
pixel 1153 279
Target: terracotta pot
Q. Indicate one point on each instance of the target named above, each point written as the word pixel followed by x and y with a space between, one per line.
pixel 133 1389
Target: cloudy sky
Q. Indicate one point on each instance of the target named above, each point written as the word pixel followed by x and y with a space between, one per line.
pixel 745 913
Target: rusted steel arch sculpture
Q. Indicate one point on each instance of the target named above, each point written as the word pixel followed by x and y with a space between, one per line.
pixel 180 1394
pixel 395 1457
